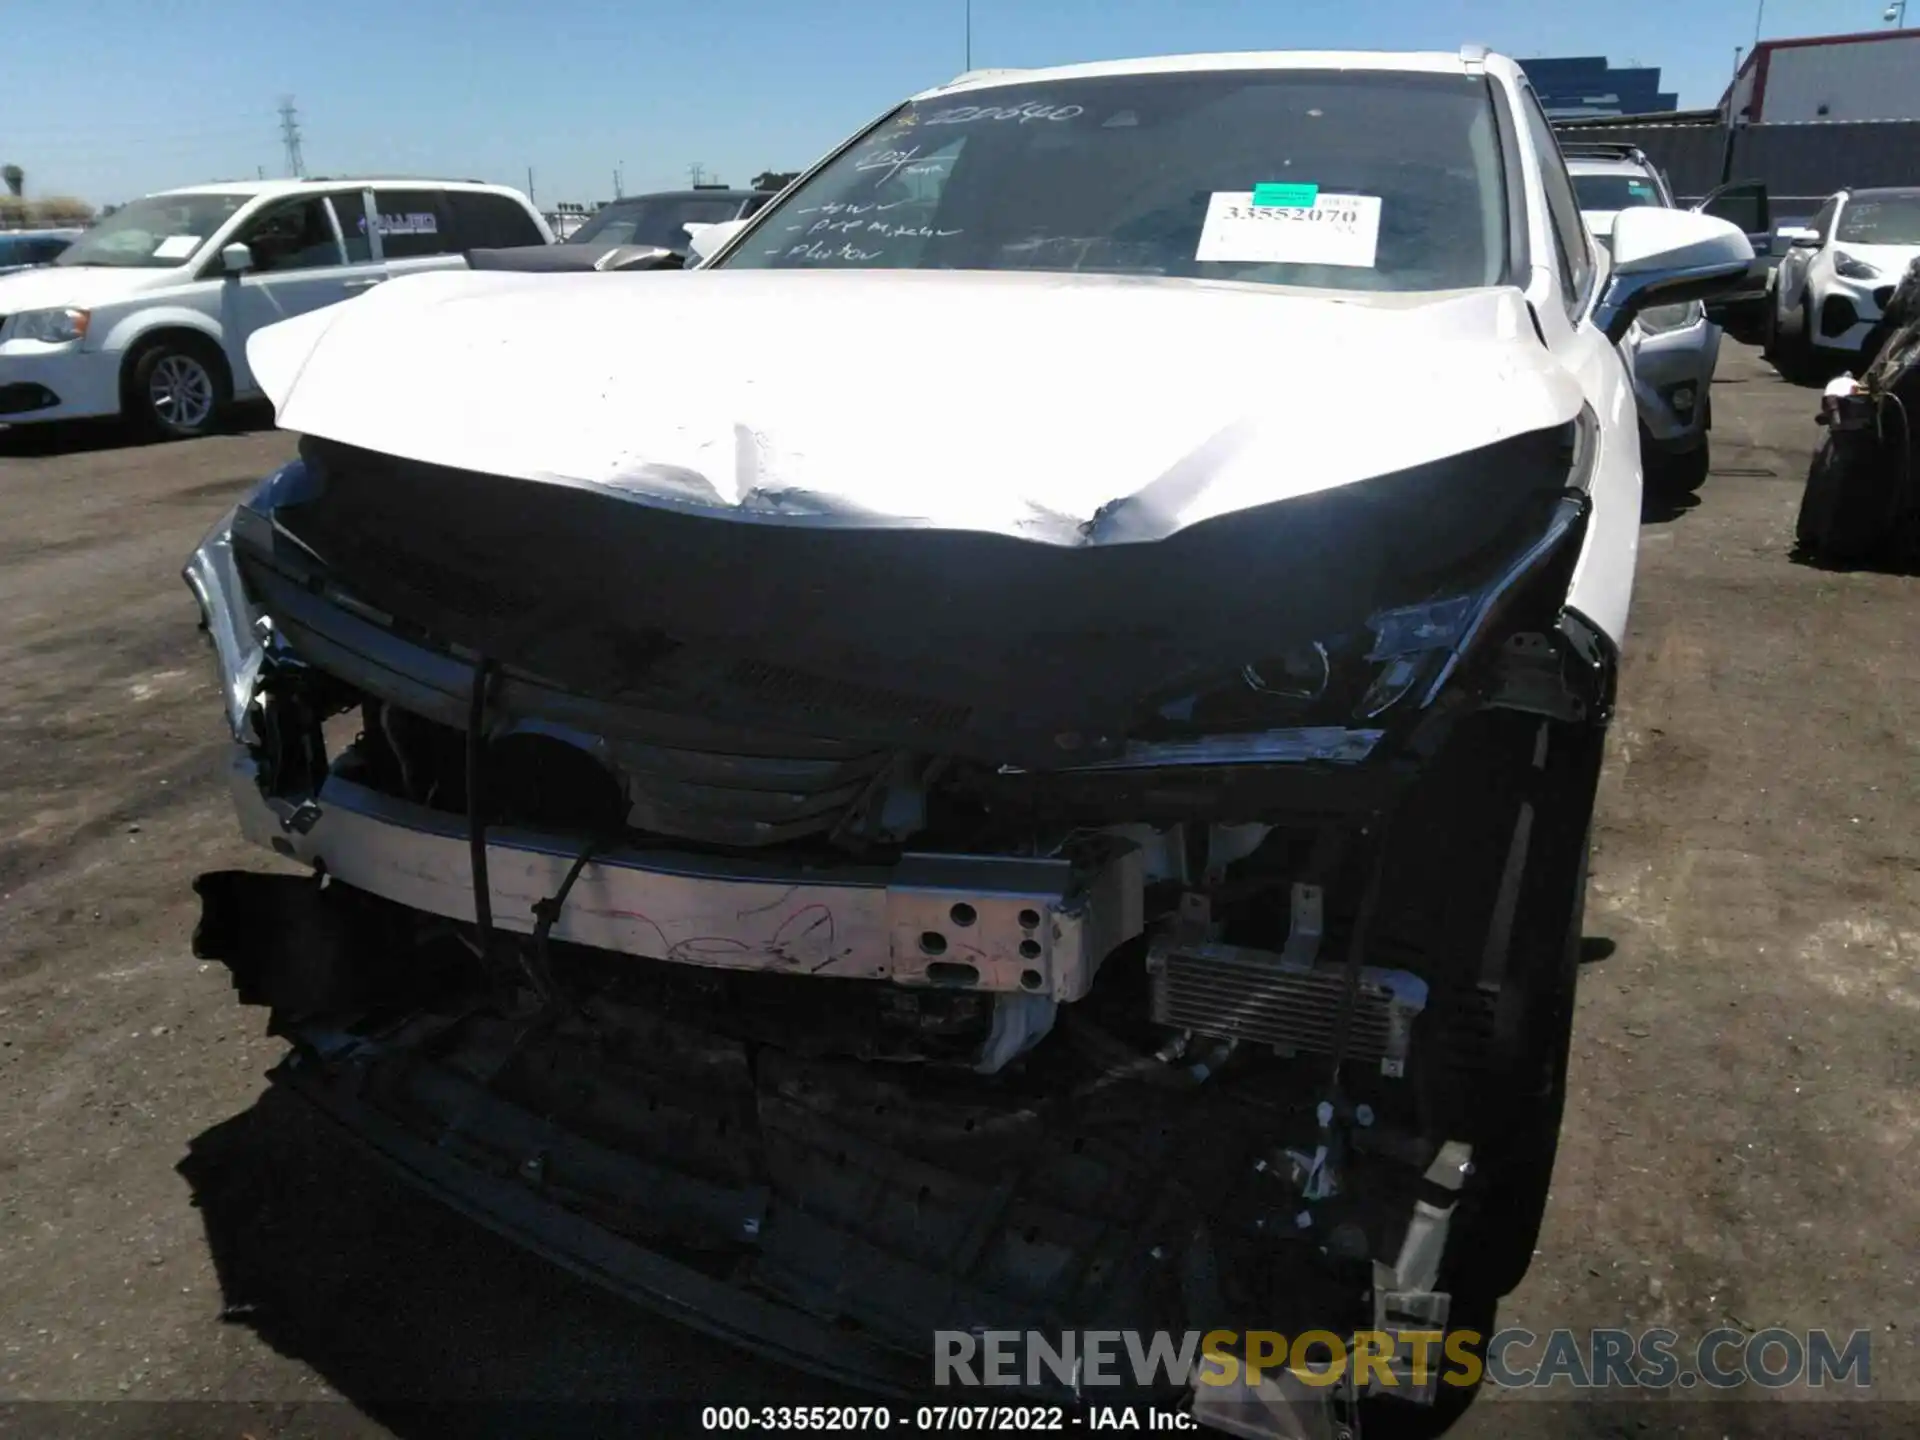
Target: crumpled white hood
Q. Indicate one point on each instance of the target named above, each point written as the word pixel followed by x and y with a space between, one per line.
pixel 1066 409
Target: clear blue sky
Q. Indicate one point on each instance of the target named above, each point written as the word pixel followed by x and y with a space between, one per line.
pixel 111 98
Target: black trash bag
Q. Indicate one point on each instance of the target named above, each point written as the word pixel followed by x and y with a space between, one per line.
pixel 1861 503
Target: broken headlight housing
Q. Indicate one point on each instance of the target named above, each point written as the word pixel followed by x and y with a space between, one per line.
pixel 1401 656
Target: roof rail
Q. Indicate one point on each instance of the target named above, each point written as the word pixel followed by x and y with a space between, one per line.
pixel 1602 150
pixel 1474 54
pixel 389 175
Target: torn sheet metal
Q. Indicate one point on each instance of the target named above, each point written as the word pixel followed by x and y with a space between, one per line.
pixel 1123 409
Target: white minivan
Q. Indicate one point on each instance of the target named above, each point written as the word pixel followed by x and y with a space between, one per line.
pixel 147 314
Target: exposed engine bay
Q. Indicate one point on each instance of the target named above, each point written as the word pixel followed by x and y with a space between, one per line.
pixel 839 936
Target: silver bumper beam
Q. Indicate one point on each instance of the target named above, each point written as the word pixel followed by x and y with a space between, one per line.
pixel 1007 924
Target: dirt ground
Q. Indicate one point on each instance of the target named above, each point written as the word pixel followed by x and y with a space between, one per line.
pixel 1740 1145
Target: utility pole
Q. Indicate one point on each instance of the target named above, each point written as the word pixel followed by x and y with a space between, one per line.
pixel 290 137
pixel 696 172
pixel 618 193
pixel 969 64
pixel 530 184
pixel 1732 118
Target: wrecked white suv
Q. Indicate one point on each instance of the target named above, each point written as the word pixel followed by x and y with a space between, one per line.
pixel 1050 787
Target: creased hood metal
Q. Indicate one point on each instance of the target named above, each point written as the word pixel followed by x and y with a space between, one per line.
pixel 1071 410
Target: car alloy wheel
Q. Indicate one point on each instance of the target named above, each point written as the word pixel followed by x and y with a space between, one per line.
pixel 181 391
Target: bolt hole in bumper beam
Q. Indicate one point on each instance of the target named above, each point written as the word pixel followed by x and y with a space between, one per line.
pixel 996 923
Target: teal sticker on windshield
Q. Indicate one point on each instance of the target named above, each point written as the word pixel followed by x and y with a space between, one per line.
pixel 1637 187
pixel 1286 197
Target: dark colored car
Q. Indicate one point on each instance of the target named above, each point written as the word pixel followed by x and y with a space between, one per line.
pixel 22 250
pixel 630 233
pixel 662 219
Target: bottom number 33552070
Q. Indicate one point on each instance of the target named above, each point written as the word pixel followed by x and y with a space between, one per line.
pixel 987 1419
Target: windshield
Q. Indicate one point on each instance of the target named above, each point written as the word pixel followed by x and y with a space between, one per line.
pixel 156 233
pixel 1881 220
pixel 655 220
pixel 1615 192
pixel 1369 180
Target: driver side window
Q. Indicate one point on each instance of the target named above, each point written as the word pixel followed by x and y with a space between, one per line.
pixel 293 235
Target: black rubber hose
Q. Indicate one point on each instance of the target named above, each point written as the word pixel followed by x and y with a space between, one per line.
pixel 476 807
pixel 546 914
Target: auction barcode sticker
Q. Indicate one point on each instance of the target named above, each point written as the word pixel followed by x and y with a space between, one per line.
pixel 1334 230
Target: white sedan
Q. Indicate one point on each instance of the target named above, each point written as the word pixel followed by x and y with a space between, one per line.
pixel 1833 284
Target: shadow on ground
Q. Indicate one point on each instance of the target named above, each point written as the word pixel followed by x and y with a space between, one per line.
pixel 431 1326
pixel 1906 565
pixel 78 437
pixel 1660 503
pixel 428 1324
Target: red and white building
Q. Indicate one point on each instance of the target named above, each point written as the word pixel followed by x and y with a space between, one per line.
pixel 1870 76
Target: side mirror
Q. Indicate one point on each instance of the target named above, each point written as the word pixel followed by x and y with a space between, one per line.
pixel 236 259
pixel 709 240
pixel 1667 257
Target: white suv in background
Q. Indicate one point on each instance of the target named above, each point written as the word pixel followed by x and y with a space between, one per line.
pixel 147 314
pixel 1672 349
pixel 1832 286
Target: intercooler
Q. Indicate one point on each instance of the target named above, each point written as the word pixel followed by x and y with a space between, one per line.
pixel 1262 997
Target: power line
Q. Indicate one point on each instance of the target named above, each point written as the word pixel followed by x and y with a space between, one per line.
pixel 290 137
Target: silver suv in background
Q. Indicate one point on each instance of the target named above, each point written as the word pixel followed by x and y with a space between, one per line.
pixel 1671 349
